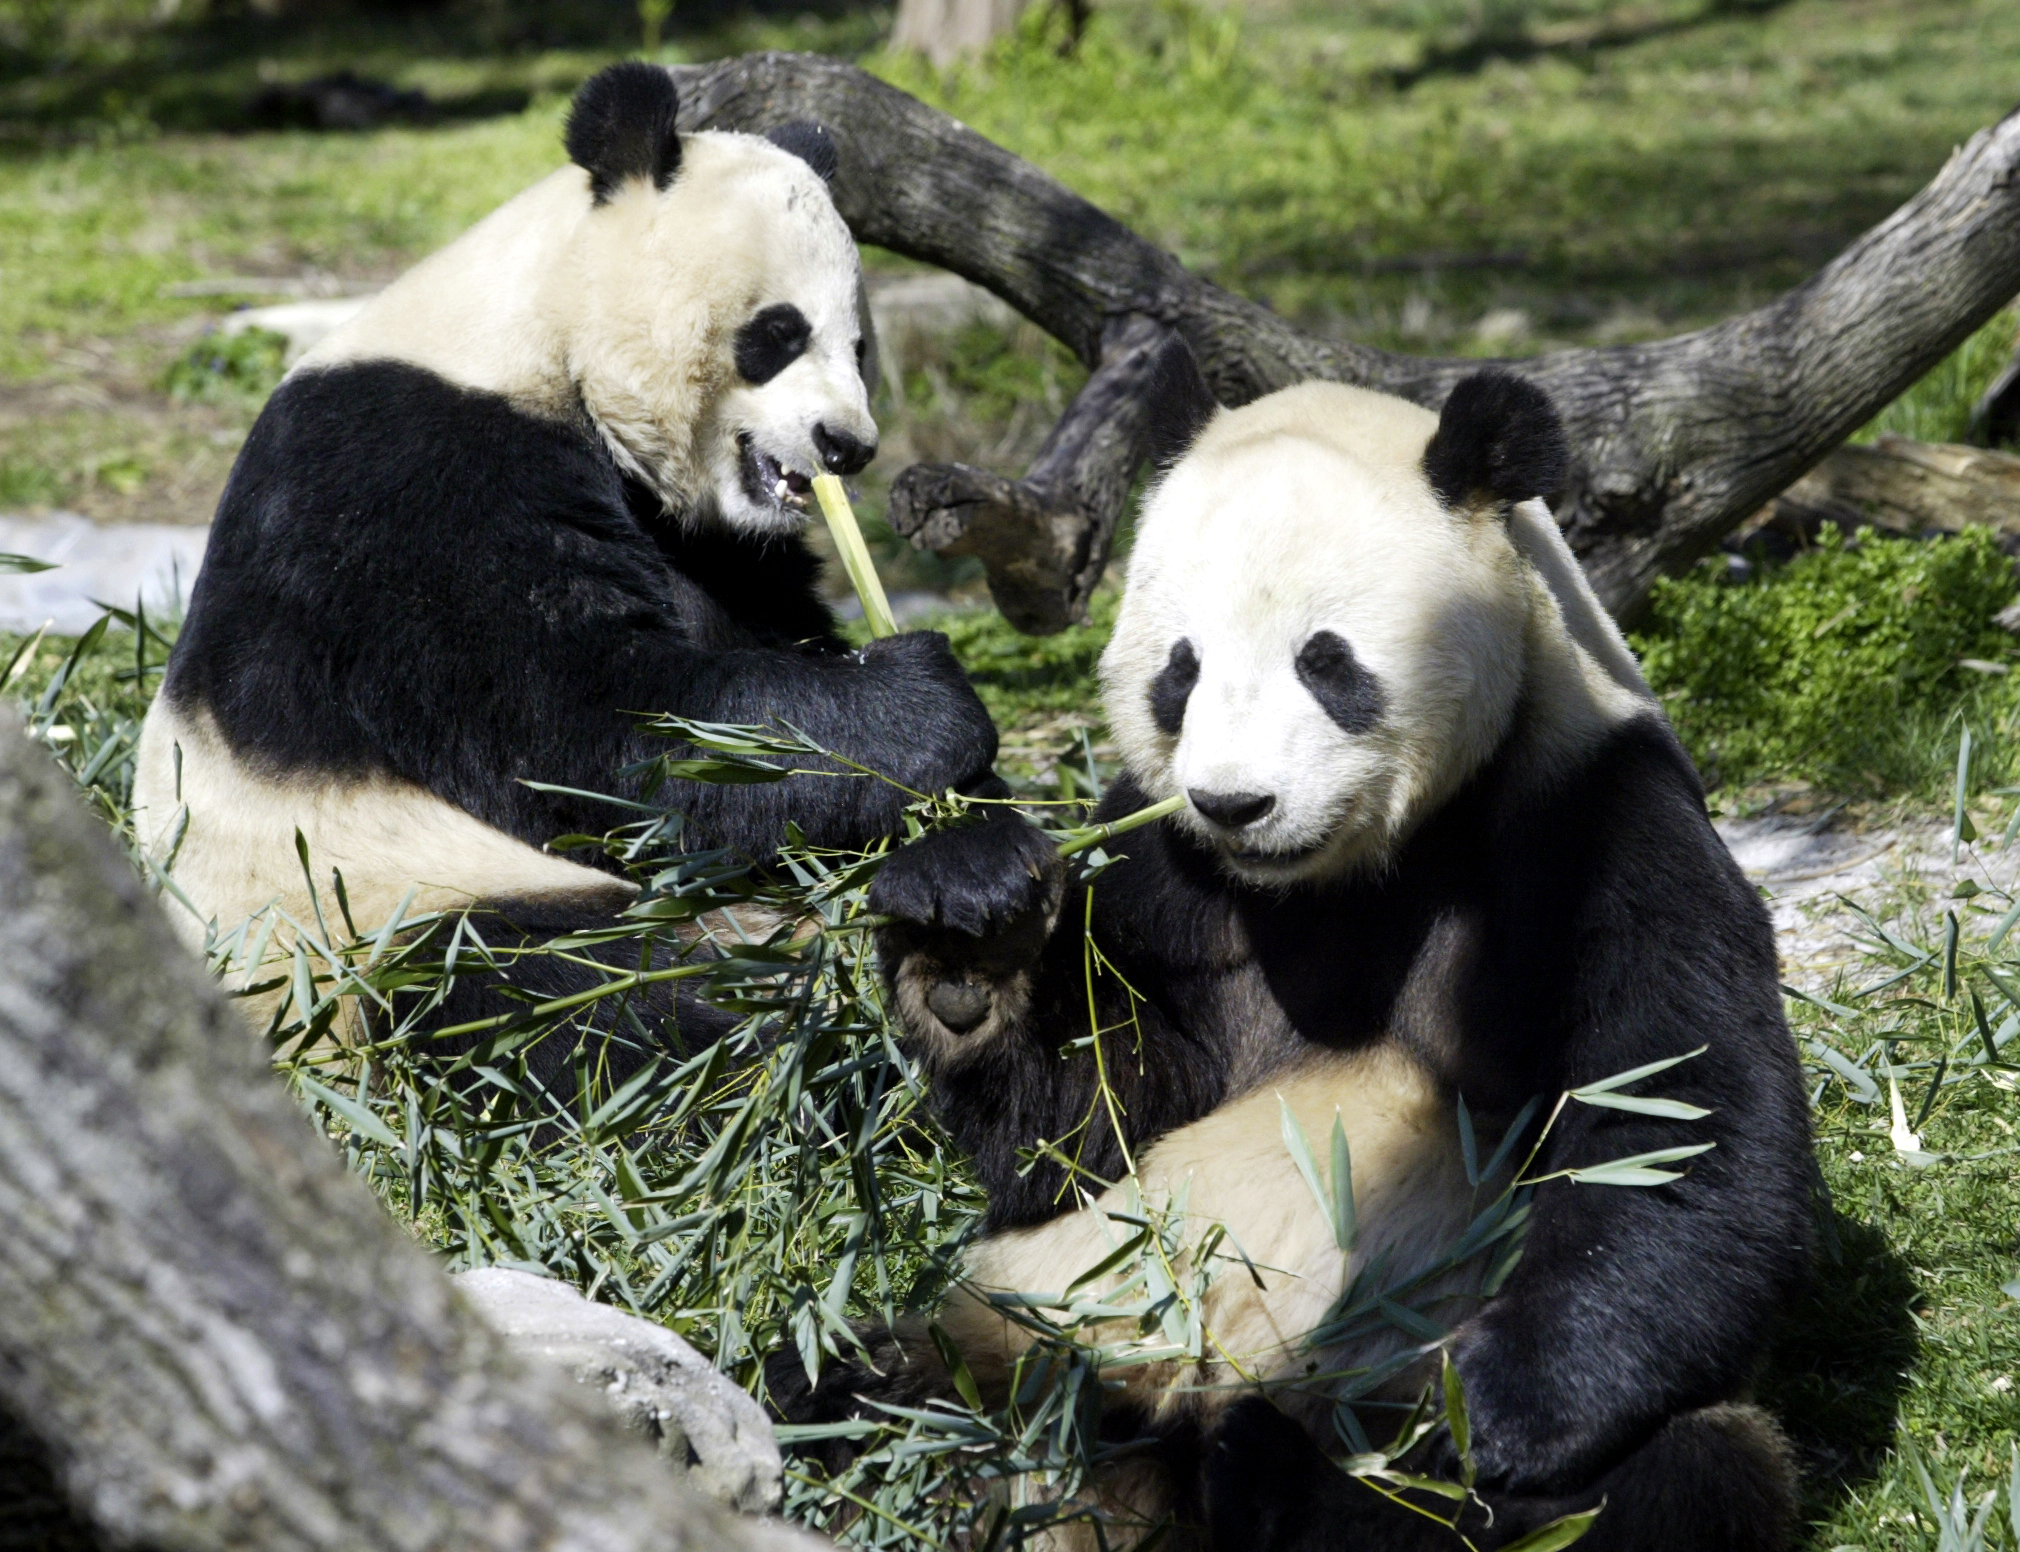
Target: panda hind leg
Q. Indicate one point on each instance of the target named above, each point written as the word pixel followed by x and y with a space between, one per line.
pixel 1721 1479
pixel 621 1034
pixel 1714 1480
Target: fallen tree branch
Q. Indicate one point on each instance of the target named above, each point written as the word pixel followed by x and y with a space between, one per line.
pixel 1678 441
pixel 1045 538
pixel 1905 487
pixel 216 1333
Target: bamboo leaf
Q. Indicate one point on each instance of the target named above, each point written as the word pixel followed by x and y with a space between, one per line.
pixel 355 1115
pixel 1344 1227
pixel 1621 1079
pixel 1669 1109
pixel 1301 1155
pixel 1635 1170
pixel 1558 1533
pixel 1455 1415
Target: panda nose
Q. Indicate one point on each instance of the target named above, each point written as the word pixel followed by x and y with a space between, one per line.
pixel 1232 810
pixel 840 452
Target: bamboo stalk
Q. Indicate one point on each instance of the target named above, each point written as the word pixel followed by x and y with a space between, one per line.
pixel 1094 835
pixel 855 554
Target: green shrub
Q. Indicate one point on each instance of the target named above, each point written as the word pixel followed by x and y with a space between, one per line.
pixel 1844 667
pixel 246 366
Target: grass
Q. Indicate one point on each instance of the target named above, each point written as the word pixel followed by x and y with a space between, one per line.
pixel 762 1199
pixel 1462 175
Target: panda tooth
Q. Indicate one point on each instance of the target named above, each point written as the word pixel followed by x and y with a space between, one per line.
pixel 780 490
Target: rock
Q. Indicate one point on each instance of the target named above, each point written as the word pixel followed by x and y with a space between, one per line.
pixel 302 324
pixel 115 562
pixel 712 1433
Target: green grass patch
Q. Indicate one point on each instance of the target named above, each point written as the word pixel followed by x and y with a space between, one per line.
pixel 1938 408
pixel 1852 667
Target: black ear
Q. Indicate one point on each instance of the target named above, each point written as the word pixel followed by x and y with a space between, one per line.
pixel 1179 401
pixel 1498 437
pixel 621 127
pixel 811 143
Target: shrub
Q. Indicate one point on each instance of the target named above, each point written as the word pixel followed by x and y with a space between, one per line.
pixel 246 366
pixel 1846 667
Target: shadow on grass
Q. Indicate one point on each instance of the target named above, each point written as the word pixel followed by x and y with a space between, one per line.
pixel 1518 44
pixel 208 72
pixel 1840 1362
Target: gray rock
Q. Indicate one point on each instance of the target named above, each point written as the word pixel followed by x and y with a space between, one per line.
pixel 303 324
pixel 113 563
pixel 711 1432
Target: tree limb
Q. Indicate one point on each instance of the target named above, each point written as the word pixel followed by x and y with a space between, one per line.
pixel 216 1333
pixel 1677 441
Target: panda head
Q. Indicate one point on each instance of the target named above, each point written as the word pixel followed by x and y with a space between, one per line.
pixel 713 314
pixel 1326 623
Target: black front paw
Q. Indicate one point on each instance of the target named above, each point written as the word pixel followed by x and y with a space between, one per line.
pixel 971 909
pixel 978 879
pixel 1264 1479
pixel 947 737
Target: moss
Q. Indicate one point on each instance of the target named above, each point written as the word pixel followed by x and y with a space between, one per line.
pixel 1847 667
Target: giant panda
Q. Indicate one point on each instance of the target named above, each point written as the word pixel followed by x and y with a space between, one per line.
pixel 1438 843
pixel 552 478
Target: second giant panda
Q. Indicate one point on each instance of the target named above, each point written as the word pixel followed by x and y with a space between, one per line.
pixel 552 478
pixel 1438 843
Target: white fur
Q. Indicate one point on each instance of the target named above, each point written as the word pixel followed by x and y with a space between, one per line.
pixel 230 832
pixel 631 308
pixel 1308 510
pixel 1233 1167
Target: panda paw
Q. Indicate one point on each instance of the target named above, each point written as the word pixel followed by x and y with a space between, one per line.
pixel 971 910
pixel 1264 1479
pixel 981 880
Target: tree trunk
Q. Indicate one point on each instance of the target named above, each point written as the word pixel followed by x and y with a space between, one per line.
pixel 214 1332
pixel 947 30
pixel 1677 441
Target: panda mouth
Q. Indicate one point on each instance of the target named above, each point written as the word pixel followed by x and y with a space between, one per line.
pixel 767 480
pixel 1259 858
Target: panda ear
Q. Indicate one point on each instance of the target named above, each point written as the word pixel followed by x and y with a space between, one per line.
pixel 1498 438
pixel 811 143
pixel 1178 401
pixel 621 127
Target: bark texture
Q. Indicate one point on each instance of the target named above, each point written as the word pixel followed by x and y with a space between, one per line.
pixel 216 1335
pixel 1677 441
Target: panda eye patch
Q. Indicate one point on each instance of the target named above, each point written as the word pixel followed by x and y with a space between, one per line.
pixel 770 341
pixel 1172 688
pixel 1345 691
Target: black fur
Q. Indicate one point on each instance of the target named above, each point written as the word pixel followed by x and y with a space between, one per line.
pixel 1348 693
pixel 1173 687
pixel 621 126
pixel 1498 438
pixel 1710 1480
pixel 1565 935
pixel 411 578
pixel 811 143
pixel 1178 400
pixel 771 340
